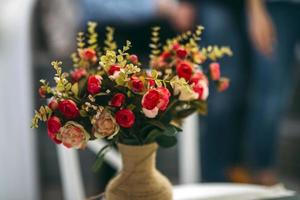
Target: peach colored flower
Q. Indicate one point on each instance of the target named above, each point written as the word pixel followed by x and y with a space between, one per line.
pixel 73 134
pixel 104 124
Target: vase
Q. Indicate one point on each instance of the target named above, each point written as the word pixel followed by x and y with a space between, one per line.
pixel 139 179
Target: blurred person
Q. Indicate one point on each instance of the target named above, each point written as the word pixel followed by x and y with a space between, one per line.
pixel 274 30
pixel 62 19
pixel 240 134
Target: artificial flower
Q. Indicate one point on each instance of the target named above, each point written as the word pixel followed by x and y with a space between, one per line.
pixel 223 84
pixel 72 134
pixel 104 124
pixel 77 74
pixel 53 105
pixel 201 88
pixel 214 69
pixel 94 84
pixel 68 108
pixel 181 53
pixel 125 118
pixel 184 70
pixel 117 100
pixel 53 124
pixel 136 84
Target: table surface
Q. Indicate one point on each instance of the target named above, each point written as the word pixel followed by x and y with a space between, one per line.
pixel 229 191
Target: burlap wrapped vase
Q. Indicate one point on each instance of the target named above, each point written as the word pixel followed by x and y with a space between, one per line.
pixel 139 179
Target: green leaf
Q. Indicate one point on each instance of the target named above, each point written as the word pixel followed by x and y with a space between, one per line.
pixel 166 141
pixel 151 137
pixel 100 158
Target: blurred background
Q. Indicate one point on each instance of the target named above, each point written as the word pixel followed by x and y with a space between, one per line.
pixel 252 131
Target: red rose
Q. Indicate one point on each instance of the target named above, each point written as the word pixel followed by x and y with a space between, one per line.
pixel 151 99
pixel 113 69
pixel 53 124
pixel 165 55
pixel 214 69
pixel 134 59
pixel 94 84
pixel 198 76
pixel 164 98
pixel 117 100
pixel 42 92
pixel 52 136
pixel 136 84
pixel 184 70
pixel 181 53
pixel 89 54
pixel 53 104
pixel 223 84
pixel 125 118
pixel 77 74
pixel 68 108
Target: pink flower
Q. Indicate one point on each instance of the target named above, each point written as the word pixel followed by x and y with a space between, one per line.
pixel 155 100
pixel 134 59
pixel 117 100
pixel 77 74
pixel 223 84
pixel 53 105
pixel 214 69
pixel 94 84
pixel 201 88
pixel 164 98
pixel 113 69
pixel 73 134
pixel 198 76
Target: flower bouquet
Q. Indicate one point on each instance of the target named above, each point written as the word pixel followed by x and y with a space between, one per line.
pixel 109 95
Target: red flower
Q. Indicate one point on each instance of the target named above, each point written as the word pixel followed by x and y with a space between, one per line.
pixel 89 54
pixel 113 69
pixel 175 46
pixel 136 84
pixel 198 76
pixel 181 53
pixel 164 98
pixel 165 55
pixel 77 74
pixel 134 59
pixel 125 118
pixel 184 70
pixel 42 92
pixel 94 84
pixel 52 136
pixel 68 108
pixel 53 124
pixel 151 99
pixel 223 84
pixel 214 69
pixel 53 104
pixel 117 100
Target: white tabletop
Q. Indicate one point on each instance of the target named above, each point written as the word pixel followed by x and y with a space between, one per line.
pixel 228 191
